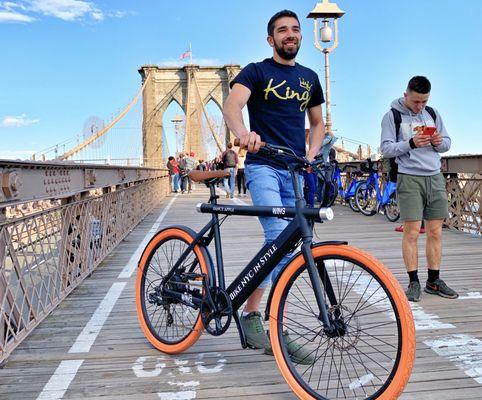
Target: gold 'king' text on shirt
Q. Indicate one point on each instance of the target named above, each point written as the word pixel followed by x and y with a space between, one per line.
pixel 290 93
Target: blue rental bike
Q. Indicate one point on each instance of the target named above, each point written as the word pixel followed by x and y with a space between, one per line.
pixel 369 197
pixel 348 194
pixel 330 184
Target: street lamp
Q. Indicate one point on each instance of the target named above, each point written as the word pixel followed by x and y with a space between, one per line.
pixel 176 121
pixel 330 12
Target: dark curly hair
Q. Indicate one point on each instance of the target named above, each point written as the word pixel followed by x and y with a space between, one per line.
pixel 278 15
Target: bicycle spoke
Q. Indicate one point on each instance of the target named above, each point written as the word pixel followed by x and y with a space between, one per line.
pixel 359 361
pixel 183 318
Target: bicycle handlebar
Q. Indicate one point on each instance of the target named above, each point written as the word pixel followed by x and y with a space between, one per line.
pixel 276 150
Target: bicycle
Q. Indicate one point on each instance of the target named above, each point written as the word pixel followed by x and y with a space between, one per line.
pixel 337 301
pixel 348 195
pixel 370 199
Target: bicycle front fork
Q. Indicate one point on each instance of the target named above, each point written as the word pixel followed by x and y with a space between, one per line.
pixel 318 273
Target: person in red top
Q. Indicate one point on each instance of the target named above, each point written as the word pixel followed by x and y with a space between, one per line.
pixel 174 173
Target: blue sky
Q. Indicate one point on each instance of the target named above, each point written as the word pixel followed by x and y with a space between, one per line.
pixel 66 60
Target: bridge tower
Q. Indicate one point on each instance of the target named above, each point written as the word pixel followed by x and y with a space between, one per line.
pixel 192 87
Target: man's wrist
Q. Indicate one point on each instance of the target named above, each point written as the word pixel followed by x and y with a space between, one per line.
pixel 412 144
pixel 242 134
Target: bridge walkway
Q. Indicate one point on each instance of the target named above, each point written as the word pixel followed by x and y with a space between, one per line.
pixel 91 346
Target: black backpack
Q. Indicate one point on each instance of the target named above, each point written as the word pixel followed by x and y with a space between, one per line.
pixel 229 159
pixel 397 118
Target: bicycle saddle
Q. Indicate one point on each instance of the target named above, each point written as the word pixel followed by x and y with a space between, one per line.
pixel 201 176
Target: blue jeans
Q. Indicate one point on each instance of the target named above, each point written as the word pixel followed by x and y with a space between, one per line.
pixel 229 182
pixel 175 182
pixel 271 187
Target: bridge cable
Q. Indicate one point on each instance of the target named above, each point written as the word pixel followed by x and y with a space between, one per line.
pixel 102 132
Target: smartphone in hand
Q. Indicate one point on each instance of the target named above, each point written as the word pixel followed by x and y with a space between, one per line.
pixel 429 130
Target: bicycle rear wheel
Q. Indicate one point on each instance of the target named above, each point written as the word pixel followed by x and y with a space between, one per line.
pixel 373 357
pixel 366 199
pixel 392 211
pixel 168 324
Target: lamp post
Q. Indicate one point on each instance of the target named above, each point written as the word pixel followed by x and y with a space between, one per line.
pixel 329 12
pixel 176 120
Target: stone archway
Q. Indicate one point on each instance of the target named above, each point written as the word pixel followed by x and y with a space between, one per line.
pixel 192 87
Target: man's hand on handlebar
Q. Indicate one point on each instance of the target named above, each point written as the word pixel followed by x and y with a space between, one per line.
pixel 250 141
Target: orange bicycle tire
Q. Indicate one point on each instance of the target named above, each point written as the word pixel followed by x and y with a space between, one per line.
pixel 405 365
pixel 197 330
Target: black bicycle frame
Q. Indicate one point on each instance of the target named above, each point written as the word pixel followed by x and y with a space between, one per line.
pixel 270 254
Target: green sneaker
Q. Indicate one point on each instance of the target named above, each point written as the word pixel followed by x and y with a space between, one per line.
pixel 299 354
pixel 254 331
pixel 414 291
pixel 440 288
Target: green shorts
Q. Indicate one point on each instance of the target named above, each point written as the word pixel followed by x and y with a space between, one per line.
pixel 422 197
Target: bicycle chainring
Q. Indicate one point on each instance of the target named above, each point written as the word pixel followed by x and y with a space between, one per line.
pixel 216 317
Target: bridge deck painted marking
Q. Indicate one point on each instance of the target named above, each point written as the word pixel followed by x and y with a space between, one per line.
pixel 121 364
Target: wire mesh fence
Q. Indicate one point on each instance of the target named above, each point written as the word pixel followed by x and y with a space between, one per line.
pixel 46 254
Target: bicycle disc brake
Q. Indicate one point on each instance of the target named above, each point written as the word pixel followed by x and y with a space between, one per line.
pixel 216 312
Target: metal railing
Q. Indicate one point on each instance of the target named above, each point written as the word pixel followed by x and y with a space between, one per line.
pixel 465 204
pixel 464 188
pixel 46 254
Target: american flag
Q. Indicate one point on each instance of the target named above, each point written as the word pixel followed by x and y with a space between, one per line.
pixel 184 55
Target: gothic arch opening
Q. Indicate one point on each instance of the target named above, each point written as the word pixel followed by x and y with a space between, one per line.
pixel 173 123
pixel 215 126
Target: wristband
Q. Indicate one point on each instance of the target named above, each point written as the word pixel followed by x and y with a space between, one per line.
pixel 412 144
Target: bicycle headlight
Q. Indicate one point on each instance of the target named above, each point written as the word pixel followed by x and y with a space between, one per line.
pixel 326 213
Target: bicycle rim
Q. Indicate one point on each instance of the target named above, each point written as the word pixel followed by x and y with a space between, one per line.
pixel 374 358
pixel 352 204
pixel 366 199
pixel 392 211
pixel 171 327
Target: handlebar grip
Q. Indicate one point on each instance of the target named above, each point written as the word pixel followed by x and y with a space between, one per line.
pixel 237 143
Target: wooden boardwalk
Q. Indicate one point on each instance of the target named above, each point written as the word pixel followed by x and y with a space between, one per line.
pixel 91 346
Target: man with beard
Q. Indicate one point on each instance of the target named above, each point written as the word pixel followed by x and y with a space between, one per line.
pixel 278 92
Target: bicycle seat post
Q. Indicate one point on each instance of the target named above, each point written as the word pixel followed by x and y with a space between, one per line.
pixel 212 191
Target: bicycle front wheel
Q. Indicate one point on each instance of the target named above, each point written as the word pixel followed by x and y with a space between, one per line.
pixel 168 324
pixel 372 354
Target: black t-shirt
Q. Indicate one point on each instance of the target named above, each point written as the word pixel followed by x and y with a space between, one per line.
pixel 280 95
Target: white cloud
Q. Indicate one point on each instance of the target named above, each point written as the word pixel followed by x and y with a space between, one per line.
pixel 66 10
pixel 119 14
pixel 13 16
pixel 17 121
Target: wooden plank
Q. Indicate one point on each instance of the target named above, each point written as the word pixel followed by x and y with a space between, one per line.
pixel 122 364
